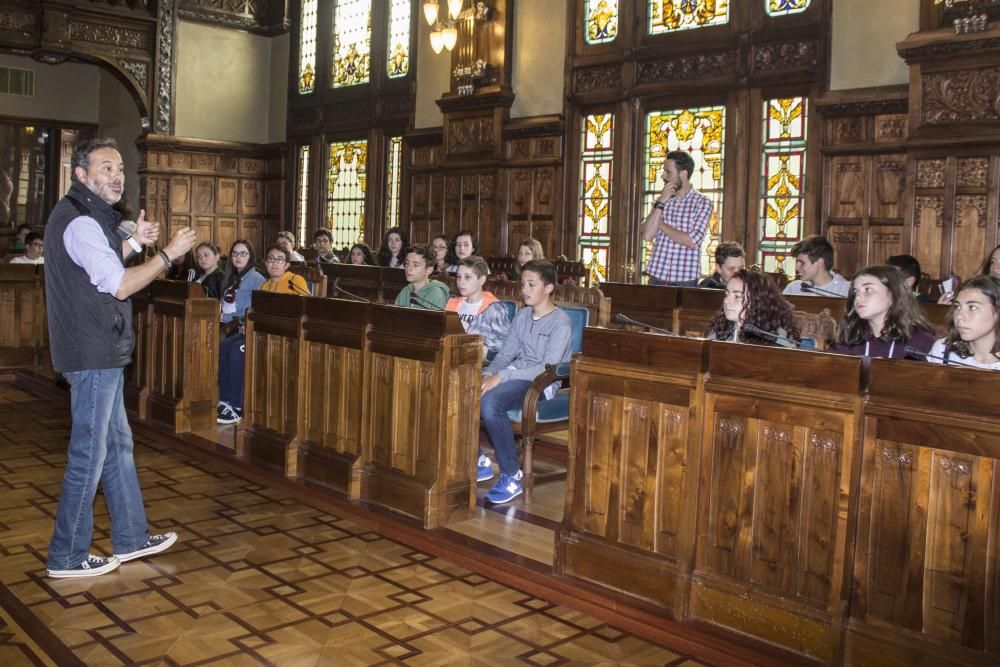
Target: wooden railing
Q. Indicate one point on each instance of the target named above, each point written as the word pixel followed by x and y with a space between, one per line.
pixel 24 331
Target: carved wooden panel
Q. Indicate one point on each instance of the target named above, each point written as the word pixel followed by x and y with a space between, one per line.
pixel 889 186
pixel 180 194
pixel 847 130
pixel 204 194
pixel 969 237
pixel 927 231
pixel 847 246
pixel 848 189
pixel 884 242
pixel 227 197
pixel 251 200
pixel 958 96
pixel 225 233
pixel 890 128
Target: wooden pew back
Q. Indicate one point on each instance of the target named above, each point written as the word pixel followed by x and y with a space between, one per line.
pixel 23 325
pixel 597 304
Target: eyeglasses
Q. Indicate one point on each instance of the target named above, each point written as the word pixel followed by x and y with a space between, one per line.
pixel 240 253
pixel 275 260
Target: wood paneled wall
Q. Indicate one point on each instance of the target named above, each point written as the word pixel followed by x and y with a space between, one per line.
pixel 24 330
pixel 503 201
pixel 224 191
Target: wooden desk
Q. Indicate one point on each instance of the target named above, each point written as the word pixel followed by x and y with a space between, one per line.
pixel 334 378
pixel 648 304
pixel 632 473
pixel 136 390
pixel 393 282
pixel 698 307
pixel 926 562
pixel 938 315
pixel 272 389
pixel 421 421
pixel 183 356
pixel 23 326
pixel 782 429
pixel 363 281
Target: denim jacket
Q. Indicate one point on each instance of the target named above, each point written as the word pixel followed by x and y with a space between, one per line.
pixel 251 281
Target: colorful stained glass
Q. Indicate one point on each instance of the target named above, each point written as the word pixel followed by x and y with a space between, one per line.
pixel 784 7
pixel 393 172
pixel 302 203
pixel 669 16
pixel 782 188
pixel 352 39
pixel 398 48
pixel 601 17
pixel 593 228
pixel 307 47
pixel 346 181
pixel 702 133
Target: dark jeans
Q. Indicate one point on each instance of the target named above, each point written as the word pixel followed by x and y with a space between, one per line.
pixel 493 407
pixel 100 450
pixel 231 358
pixel 663 283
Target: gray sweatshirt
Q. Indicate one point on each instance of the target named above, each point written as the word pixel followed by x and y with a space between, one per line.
pixel 531 344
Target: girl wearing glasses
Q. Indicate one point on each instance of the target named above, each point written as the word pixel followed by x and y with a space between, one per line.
pixel 239 281
pixel 279 278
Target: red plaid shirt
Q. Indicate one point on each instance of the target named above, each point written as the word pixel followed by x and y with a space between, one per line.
pixel 670 261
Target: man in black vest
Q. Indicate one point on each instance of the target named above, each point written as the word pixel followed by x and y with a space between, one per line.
pixel 87 290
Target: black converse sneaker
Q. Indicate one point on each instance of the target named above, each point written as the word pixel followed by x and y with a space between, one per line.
pixel 94 566
pixel 154 544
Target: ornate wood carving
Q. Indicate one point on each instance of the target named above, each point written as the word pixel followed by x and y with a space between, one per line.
pixel 257 16
pixel 164 121
pixel 786 56
pixel 684 68
pixel 961 96
pixel 603 77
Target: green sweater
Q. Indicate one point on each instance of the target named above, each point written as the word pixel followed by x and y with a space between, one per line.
pixel 433 296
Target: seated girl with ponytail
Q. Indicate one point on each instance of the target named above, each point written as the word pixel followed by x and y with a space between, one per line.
pixel 882 317
pixel 973 326
pixel 752 299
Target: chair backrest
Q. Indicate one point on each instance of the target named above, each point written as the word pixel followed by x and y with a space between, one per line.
pixel 579 317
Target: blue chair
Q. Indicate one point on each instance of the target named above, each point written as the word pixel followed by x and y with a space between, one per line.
pixel 536 416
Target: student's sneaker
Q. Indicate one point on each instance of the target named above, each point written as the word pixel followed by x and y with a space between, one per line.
pixel 154 544
pixel 229 415
pixel 94 566
pixel 505 490
pixel 484 471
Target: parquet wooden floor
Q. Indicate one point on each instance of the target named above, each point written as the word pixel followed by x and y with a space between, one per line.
pixel 257 578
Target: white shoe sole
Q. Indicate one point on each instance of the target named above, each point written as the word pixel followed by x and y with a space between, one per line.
pixel 111 566
pixel 148 551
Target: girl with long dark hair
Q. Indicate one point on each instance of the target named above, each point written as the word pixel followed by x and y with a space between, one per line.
pixel 752 298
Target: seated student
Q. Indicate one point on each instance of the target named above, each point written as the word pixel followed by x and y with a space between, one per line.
pixel 814 266
pixel 973 326
pixel 209 275
pixel 440 245
pixel 910 267
pixel 528 250
pixel 991 267
pixel 239 281
pixel 362 254
pixel 540 334
pixel 390 253
pixel 323 243
pixel 752 298
pixel 480 312
pixel 17 243
pixel 464 245
pixel 882 317
pixel 421 292
pixel 33 249
pixel 287 241
pixel 729 258
pixel 279 278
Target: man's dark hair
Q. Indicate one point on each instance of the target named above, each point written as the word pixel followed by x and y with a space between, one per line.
pixel 323 232
pixel 421 251
pixel 82 152
pixel 545 269
pixel 728 249
pixel 32 237
pixel 683 160
pixel 908 264
pixel 23 226
pixel 816 247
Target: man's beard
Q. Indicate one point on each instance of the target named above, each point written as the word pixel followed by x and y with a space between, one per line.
pixel 105 192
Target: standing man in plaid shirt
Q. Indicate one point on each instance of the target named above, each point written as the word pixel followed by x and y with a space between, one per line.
pixel 676 225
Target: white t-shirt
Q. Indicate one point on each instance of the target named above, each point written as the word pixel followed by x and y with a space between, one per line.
pixel 936 356
pixel 23 259
pixel 467 312
pixel 839 286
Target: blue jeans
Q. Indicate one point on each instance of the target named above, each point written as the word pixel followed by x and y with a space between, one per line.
pixel 232 356
pixel 493 407
pixel 100 450
pixel 664 283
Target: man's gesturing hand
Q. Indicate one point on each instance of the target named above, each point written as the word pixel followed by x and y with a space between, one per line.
pixel 146 232
pixel 183 241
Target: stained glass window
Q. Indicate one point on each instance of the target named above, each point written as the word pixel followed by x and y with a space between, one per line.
pixel 307 48
pixel 784 7
pixel 393 174
pixel 302 203
pixel 669 16
pixel 601 17
pixel 782 188
pixel 702 133
pixel 352 32
pixel 346 179
pixel 398 48
pixel 593 229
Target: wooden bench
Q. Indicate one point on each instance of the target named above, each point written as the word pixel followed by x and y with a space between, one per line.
pixel 23 325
